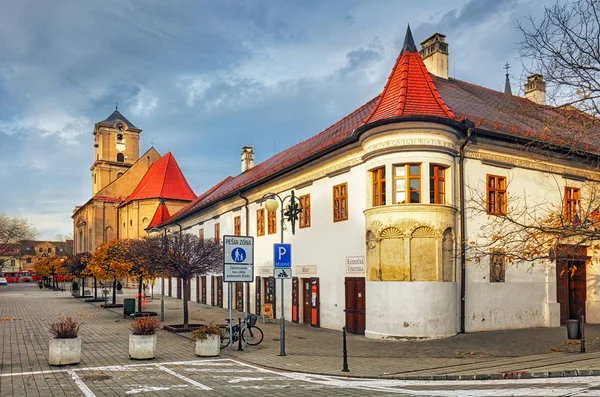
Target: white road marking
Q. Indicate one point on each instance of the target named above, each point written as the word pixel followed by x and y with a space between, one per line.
pixel 82 386
pixel 149 388
pixel 183 378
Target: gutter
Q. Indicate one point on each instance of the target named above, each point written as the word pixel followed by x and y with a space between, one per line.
pixel 463 225
pixel 247 294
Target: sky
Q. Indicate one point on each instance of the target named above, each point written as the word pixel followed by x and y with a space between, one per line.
pixel 204 78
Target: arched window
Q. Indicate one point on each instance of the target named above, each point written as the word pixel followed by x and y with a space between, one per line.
pixel 120 157
pixel 119 174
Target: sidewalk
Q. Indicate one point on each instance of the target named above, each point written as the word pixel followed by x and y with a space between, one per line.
pixel 535 352
pixel 484 355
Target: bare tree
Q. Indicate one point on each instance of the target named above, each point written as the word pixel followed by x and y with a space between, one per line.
pixel 12 231
pixel 76 265
pixel 185 256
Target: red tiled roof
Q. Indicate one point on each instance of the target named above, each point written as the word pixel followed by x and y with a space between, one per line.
pixel 409 89
pixel 163 179
pixel 161 215
pixel 412 91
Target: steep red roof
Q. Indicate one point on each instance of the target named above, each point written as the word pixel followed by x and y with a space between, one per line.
pixel 163 179
pixel 409 89
pixel 161 215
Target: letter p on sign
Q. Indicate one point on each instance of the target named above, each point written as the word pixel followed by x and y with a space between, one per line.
pixel 282 256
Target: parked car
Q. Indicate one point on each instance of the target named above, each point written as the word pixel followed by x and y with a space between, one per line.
pixel 3 281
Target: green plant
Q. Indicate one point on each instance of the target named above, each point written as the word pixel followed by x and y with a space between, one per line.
pixel 65 328
pixel 144 326
pixel 206 330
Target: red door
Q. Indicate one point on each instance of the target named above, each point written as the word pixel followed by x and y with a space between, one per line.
pixel 203 278
pixel 295 300
pixel 355 305
pixel 570 289
pixel 306 306
pixel 315 302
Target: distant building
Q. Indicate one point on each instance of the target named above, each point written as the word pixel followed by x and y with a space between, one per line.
pixel 32 251
pixel 383 191
pixel 129 191
pixel 11 259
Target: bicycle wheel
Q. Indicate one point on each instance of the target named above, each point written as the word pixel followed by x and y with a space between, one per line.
pixel 225 338
pixel 252 335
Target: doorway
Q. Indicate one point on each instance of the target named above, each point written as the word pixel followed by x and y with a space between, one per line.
pixel 178 288
pixel 306 306
pixel 311 301
pixel 257 297
pixel 269 294
pixel 212 290
pixel 570 289
pixel 170 286
pixel 220 291
pixel 197 289
pixel 295 300
pixel 203 279
pixel 355 305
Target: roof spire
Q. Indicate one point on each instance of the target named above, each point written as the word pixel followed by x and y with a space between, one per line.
pixel 409 42
pixel 117 105
pixel 507 89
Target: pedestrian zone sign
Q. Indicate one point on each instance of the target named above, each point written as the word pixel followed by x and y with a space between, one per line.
pixel 282 256
pixel 238 259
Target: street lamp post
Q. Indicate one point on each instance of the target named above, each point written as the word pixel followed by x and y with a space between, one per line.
pixel 292 215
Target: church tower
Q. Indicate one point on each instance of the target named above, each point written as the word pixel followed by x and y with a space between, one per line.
pixel 116 148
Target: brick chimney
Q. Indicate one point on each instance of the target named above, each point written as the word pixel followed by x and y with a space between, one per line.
pixel 535 89
pixel 247 158
pixel 434 51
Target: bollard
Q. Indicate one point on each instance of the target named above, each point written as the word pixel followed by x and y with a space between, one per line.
pixel 582 322
pixel 345 352
pixel 240 335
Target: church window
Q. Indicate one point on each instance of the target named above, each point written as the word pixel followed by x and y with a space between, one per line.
pixel 120 157
pixel 407 183
pixel 340 202
pixel 497 266
pixel 378 184
pixel 437 184
pixel 572 211
pixel 80 241
pixel 260 222
pixel 131 223
pixel 496 195
pixel 94 179
pixel 119 137
pixel 272 222
pixel 304 218
pixel 89 236
pixel 217 233
pixel 237 226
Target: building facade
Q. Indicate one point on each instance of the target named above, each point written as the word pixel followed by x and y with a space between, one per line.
pixel 389 197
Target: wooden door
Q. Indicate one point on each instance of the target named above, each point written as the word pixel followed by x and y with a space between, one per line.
pixel 178 288
pixel 269 293
pixel 257 297
pixel 170 285
pixel 197 289
pixel 295 300
pixel 570 289
pixel 306 306
pixel 203 296
pixel 355 305
pixel 315 301
pixel 239 296
pixel 220 291
pixel 212 290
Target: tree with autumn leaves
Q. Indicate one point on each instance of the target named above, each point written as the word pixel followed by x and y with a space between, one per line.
pixel 76 266
pixel 143 255
pixel 51 267
pixel 110 262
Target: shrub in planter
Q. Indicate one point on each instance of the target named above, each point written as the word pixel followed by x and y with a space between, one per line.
pixel 65 346
pixel 208 340
pixel 142 341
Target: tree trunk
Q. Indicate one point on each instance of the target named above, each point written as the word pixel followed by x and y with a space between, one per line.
pixel 114 299
pixel 140 294
pixel 186 320
pixel 95 289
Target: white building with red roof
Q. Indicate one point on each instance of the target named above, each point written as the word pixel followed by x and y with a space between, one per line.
pixel 389 195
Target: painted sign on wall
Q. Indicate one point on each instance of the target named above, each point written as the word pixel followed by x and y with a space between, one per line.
pixel 355 265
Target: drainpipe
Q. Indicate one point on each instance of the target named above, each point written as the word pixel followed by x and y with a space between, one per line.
pixel 463 226
pixel 247 295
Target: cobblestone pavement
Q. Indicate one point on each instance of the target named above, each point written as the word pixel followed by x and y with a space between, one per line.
pixel 106 370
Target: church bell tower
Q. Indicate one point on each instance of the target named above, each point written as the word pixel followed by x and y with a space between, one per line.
pixel 116 148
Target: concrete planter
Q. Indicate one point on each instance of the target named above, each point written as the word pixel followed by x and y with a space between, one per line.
pixel 142 347
pixel 64 351
pixel 209 347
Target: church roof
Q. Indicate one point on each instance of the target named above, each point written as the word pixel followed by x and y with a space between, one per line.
pixel 114 117
pixel 412 93
pixel 163 179
pixel 161 215
pixel 409 89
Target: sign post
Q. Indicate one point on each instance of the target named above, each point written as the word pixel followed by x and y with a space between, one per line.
pixel 238 266
pixel 282 268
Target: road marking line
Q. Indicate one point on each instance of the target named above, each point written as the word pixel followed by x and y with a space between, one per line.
pixel 86 390
pixel 184 378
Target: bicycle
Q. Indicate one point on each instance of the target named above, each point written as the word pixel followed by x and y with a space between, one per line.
pixel 250 332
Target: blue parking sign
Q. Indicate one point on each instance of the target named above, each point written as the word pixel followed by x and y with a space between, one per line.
pixel 282 256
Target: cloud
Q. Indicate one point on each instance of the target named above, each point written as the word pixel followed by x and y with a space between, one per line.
pixel 143 103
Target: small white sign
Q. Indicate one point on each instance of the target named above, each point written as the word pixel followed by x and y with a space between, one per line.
pixel 238 273
pixel 355 265
pixel 306 269
pixel 265 270
pixel 282 273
